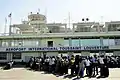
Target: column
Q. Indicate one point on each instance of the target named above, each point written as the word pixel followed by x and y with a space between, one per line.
pixel 65 29
pixel 10 29
pixel 70 44
pixel 39 42
pixel 101 44
pixel 101 41
pixel 98 27
pixel 79 42
pixel 33 30
pixel 9 56
pixel 73 30
pixel 1 43
pixel 106 28
pixel 9 43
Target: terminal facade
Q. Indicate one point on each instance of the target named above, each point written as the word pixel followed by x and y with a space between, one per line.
pixel 36 37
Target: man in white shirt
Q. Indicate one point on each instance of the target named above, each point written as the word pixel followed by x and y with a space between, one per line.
pixel 87 64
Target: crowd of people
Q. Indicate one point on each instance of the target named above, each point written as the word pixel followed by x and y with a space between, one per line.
pixel 77 65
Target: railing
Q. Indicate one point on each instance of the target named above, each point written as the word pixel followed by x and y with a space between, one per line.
pixel 69 33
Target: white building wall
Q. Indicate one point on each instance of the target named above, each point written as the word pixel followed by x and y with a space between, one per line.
pixel 116 53
pixel 52 54
pixel 85 53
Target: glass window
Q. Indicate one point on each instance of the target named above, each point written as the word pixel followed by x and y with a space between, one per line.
pixel 117 41
pixel 66 43
pixel 5 43
pixel 106 42
pixel 90 42
pixel 3 56
pixel 16 56
pixel 111 42
pixel 30 43
pixel 75 42
pixel 16 43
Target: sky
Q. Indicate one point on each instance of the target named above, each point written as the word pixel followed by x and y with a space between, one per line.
pixel 58 10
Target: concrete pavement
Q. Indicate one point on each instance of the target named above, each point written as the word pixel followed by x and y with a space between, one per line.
pixel 24 74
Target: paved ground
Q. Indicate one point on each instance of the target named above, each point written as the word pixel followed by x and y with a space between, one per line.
pixel 24 74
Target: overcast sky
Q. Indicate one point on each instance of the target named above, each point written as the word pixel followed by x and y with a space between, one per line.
pixel 57 10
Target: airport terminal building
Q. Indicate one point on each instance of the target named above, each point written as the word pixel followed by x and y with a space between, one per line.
pixel 36 37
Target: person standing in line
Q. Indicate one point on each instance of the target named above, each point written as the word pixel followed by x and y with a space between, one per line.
pixel 105 68
pixel 87 64
pixel 72 65
pixel 95 65
pixel 47 64
pixel 66 65
pixel 53 64
pixel 77 58
pixel 81 68
pixel 101 65
pixel 57 67
pixel 50 64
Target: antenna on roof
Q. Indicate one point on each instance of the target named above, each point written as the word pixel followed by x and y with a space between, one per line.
pixel 69 19
pixel 38 11
pixel 45 12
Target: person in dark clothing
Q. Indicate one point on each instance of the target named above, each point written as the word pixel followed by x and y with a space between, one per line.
pixel 95 65
pixel 65 65
pixel 101 66
pixel 76 64
pixel 58 63
pixel 81 68
pixel 105 68
pixel 72 65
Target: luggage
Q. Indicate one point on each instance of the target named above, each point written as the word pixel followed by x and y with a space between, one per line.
pixel 106 71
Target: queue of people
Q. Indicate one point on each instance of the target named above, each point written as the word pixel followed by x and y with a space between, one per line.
pixel 77 64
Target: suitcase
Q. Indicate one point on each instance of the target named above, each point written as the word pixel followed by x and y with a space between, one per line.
pixel 106 71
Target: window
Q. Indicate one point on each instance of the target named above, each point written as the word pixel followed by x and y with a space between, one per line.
pixel 117 41
pixel 29 42
pixel 90 42
pixel 111 42
pixel 75 42
pixel 50 43
pixel 106 42
pixel 66 43
pixel 16 56
pixel 3 56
